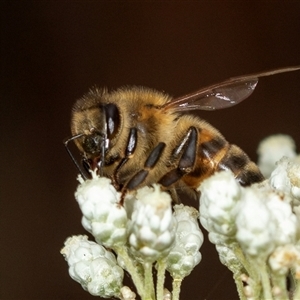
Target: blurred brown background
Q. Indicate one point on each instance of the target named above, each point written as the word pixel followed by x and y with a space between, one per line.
pixel 53 51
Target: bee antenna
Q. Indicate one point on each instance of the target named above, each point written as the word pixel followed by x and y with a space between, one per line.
pixel 66 142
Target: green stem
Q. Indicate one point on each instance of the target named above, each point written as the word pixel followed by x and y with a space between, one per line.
pixel 265 280
pixel 161 269
pixel 244 261
pixel 131 269
pixel 176 288
pixel 280 282
pixel 239 286
pixel 149 285
pixel 297 291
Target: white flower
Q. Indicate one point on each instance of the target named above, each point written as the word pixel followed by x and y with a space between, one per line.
pixel 286 178
pixel 219 195
pixel 272 149
pixel 284 219
pixel 185 255
pixel 103 216
pixel 152 225
pixel 284 258
pixel 127 293
pixel 255 227
pixel 264 221
pixel 167 295
pixel 293 173
pixel 93 267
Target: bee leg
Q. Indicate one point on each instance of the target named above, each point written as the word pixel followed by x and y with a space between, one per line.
pixel 150 163
pixel 130 148
pixel 186 163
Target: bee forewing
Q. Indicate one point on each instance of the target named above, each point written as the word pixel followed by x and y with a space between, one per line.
pixel 224 94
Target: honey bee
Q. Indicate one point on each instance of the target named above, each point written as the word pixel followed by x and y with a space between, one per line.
pixel 137 136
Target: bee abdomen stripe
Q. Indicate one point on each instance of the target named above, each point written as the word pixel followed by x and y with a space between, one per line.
pixel 251 174
pixel 212 147
pixel 235 159
pixel 238 162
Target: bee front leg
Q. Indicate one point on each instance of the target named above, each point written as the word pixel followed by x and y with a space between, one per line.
pixel 130 148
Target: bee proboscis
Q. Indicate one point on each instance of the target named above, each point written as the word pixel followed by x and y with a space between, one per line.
pixel 137 136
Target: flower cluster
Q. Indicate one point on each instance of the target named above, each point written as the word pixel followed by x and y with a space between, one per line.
pixel 256 229
pixel 135 235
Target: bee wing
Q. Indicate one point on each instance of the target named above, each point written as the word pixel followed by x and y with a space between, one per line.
pixel 224 94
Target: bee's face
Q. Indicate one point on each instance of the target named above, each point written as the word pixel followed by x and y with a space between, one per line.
pixel 97 125
pixel 93 143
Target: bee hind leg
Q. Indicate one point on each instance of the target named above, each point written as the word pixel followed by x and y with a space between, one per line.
pixel 186 162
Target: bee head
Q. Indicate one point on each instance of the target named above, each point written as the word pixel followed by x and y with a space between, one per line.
pixel 94 125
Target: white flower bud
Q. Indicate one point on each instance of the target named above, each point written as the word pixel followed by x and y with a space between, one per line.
pixel 286 178
pixel 93 267
pixel 185 255
pixel 167 295
pixel 264 221
pixel 255 227
pixel 219 195
pixel 152 225
pixel 282 216
pixel 293 173
pixel 103 216
pixel 127 293
pixel 284 258
pixel 272 149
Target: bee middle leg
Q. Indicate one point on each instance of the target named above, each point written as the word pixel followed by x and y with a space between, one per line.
pixel 150 163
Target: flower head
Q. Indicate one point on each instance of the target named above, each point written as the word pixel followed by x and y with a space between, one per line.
pixel 286 178
pixel 152 228
pixel 102 214
pixel 185 255
pixel 219 196
pixel 93 267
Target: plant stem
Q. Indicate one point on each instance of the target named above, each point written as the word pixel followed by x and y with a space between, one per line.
pixel 239 286
pixel 265 280
pixel 161 269
pixel 131 269
pixel 297 291
pixel 176 288
pixel 280 282
pixel 149 285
